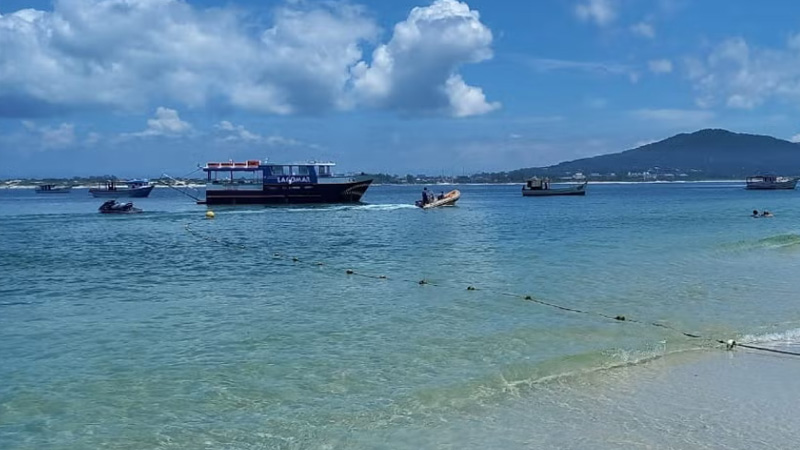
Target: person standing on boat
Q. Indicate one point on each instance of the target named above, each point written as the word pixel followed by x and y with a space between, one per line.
pixel 425 196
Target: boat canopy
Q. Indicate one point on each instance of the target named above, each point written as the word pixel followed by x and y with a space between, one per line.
pixel 319 168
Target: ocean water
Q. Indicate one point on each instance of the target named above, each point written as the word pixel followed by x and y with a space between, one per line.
pixel 166 330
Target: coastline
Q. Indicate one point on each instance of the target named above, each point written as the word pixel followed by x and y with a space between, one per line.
pixel 201 185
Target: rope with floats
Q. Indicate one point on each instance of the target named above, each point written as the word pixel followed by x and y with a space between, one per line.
pixel 730 344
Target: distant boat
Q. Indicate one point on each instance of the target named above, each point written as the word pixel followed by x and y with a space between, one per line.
pixel 536 187
pixel 132 188
pixel 448 199
pixel 52 189
pixel 770 182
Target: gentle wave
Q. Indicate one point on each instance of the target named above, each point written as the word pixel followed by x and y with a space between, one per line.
pixel 789 337
pixel 780 241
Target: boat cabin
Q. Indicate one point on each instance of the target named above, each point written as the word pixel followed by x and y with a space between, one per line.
pixel 256 173
pixel 538 184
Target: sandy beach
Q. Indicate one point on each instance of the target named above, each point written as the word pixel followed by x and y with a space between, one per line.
pixel 708 399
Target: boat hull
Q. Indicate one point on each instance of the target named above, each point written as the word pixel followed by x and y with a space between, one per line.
pixel 283 194
pixel 140 192
pixel 576 190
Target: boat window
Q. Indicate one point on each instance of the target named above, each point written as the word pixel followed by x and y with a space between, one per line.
pixel 299 170
pixel 279 170
pixel 323 171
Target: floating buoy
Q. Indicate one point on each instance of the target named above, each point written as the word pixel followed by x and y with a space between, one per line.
pixel 209 214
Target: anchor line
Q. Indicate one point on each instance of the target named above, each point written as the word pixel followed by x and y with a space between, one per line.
pixel 169 185
pixel 730 344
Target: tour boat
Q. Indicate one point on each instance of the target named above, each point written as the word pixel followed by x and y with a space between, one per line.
pixel 264 183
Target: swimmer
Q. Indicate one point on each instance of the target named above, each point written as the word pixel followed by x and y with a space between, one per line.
pixel 767 214
pixel 755 213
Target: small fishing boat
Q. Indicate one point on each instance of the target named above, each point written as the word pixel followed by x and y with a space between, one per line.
pixel 52 189
pixel 536 187
pixel 770 182
pixel 132 188
pixel 113 207
pixel 448 199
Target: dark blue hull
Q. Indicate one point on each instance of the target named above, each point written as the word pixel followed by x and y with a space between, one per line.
pixel 283 194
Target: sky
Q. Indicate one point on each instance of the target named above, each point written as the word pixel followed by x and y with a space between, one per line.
pixel 145 87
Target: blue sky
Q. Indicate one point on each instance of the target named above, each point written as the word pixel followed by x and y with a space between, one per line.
pixel 141 87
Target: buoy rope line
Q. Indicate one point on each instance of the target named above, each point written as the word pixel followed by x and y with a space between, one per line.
pixel 290 261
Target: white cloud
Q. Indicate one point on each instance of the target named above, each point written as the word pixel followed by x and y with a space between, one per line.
pixel 601 12
pixel 596 102
pixel 660 66
pixel 236 133
pixel 675 117
pixel 228 132
pixel 133 54
pixel 741 76
pixel 600 68
pixel 167 123
pixel 52 138
pixel 417 68
pixel 644 29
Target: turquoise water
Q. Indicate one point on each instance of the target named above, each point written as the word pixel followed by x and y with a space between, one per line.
pixel 166 330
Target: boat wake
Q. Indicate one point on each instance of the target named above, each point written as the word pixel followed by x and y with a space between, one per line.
pixel 365 207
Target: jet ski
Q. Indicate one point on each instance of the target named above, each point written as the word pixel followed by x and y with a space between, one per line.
pixel 112 207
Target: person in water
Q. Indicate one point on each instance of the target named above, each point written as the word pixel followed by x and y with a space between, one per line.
pixel 755 213
pixel 766 214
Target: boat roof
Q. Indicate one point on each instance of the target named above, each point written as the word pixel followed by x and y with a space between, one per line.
pixel 255 164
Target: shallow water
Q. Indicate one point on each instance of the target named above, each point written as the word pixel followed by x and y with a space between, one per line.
pixel 166 330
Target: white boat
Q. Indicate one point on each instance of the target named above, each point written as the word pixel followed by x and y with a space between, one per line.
pixel 52 189
pixel 536 187
pixel 132 188
pixel 770 182
pixel 448 199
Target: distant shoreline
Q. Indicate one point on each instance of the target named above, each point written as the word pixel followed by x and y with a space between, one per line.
pixel 5 185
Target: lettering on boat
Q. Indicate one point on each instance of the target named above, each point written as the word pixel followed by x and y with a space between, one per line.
pixel 294 179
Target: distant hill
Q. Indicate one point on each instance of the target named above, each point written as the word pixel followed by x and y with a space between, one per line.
pixel 709 154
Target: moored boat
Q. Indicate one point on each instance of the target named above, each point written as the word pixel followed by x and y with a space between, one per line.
pixel 536 187
pixel 52 189
pixel 448 199
pixel 770 182
pixel 255 183
pixel 132 188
